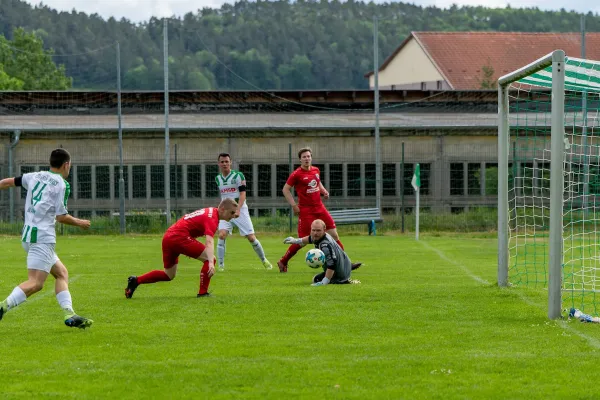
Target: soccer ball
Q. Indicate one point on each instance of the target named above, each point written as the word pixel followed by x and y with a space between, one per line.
pixel 315 258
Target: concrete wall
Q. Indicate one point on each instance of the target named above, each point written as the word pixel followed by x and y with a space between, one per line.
pixel 347 162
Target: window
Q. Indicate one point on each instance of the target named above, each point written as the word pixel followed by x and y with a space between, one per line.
pixel 103 182
pixel 116 169
pixel 283 173
pixel 526 180
pixel 336 183
pixel 389 179
pixel 176 181
pixel 138 176
pixel 407 178
pixel 84 182
pixel 457 185
pixel 25 169
pixel 370 180
pixel 353 179
pixel 210 187
pixel 246 169
pixel 157 181
pixel 264 180
pixel 194 182
pixel 491 179
pixel 474 179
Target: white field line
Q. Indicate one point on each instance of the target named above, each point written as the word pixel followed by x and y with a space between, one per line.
pixel 593 342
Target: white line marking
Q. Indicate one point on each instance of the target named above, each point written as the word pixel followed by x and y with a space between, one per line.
pixel 593 342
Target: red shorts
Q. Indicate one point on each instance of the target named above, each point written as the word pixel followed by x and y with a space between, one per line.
pixel 174 245
pixel 307 217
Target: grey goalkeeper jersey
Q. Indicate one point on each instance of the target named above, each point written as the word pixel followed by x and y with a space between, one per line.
pixel 335 258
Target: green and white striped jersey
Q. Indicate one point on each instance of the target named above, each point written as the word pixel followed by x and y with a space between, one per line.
pixel 47 195
pixel 229 185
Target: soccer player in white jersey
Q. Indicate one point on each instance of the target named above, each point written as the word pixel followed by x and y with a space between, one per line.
pixel 232 184
pixel 46 203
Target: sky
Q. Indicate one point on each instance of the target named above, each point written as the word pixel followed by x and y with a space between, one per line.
pixel 142 10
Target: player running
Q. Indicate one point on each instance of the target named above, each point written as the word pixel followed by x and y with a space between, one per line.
pixel 46 203
pixel 180 238
pixel 232 185
pixel 337 267
pixel 307 183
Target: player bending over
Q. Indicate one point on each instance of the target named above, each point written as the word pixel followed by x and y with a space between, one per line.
pixel 337 267
pixel 46 203
pixel 180 238
pixel 232 185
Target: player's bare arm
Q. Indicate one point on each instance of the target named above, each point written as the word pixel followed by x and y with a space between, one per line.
pixel 287 193
pixel 324 191
pixel 241 202
pixel 68 219
pixel 303 241
pixel 209 252
pixel 7 183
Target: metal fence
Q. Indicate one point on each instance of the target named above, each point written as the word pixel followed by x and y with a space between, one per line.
pixel 169 147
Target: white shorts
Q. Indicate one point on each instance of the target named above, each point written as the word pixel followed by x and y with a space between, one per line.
pixel 40 256
pixel 243 223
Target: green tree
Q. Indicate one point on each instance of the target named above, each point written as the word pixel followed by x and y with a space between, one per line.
pixel 487 77
pixel 9 83
pixel 27 66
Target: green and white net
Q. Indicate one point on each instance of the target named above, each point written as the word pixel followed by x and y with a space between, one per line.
pixel 529 183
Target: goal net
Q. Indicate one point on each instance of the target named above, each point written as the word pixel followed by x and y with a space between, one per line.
pixel 549 167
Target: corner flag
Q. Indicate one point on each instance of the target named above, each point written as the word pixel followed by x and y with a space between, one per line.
pixel 416 179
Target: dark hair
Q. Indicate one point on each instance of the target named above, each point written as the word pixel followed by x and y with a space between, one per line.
pixel 223 155
pixel 304 150
pixel 59 157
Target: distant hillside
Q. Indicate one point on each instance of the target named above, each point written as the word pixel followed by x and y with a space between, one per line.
pixel 271 45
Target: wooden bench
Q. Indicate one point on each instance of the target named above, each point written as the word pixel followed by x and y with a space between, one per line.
pixel 369 216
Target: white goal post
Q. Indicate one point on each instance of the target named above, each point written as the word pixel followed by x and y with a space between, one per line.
pixel 555 60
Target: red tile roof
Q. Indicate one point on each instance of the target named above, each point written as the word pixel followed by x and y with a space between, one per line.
pixel 459 56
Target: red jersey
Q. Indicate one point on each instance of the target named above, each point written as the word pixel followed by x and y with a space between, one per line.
pixel 198 223
pixel 306 183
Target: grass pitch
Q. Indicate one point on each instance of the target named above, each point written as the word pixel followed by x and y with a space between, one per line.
pixel 426 322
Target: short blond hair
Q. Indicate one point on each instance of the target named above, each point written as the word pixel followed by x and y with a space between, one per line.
pixel 228 204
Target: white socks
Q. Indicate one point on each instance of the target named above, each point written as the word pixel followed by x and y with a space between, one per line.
pixel 258 250
pixel 221 252
pixel 15 298
pixel 64 300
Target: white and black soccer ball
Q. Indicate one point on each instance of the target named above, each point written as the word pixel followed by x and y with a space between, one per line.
pixel 315 258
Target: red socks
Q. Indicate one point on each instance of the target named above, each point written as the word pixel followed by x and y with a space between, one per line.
pixel 204 278
pixel 153 276
pixel 291 252
pixel 339 242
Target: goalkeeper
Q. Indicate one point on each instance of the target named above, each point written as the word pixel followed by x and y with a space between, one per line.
pixel 337 267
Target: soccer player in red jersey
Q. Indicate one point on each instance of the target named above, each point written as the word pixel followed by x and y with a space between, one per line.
pixel 306 181
pixel 180 238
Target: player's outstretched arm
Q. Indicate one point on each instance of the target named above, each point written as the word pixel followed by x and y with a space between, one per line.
pixel 70 220
pixel 7 183
pixel 292 240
